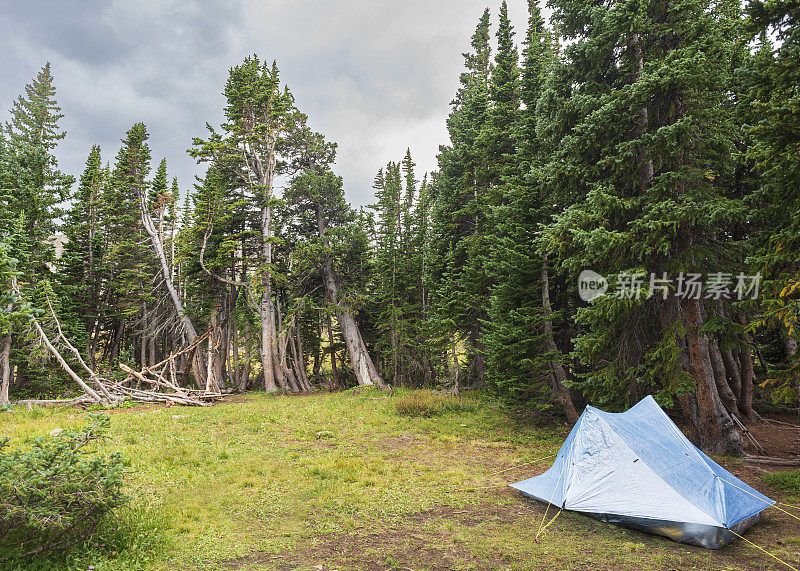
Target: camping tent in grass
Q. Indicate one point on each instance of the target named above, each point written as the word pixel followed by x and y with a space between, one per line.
pixel 637 469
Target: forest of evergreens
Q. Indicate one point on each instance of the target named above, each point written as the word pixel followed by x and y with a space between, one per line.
pixel 655 143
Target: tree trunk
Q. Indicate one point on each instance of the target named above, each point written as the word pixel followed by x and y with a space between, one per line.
pixel 717 432
pixel 245 381
pixel 5 367
pixel 748 376
pixel 300 357
pixel 363 366
pixel 733 371
pixel 316 369
pixel 726 394
pixel 183 318
pixel 117 342
pixel 143 339
pixel 266 344
pixel 298 361
pixel 235 365
pixel 331 342
pixel 559 377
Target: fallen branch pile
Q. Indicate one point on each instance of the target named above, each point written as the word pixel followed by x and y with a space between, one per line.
pixel 160 380
pixel 161 377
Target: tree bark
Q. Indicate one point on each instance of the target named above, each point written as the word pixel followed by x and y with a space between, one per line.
pixel 717 432
pixel 245 382
pixel 300 358
pixel 315 370
pixel 748 376
pixel 5 366
pixel 559 377
pixel 733 372
pixel 183 318
pixel 363 366
pixel 332 343
pixel 726 394
pixel 117 341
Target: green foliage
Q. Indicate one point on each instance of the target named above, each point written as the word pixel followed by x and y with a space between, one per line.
pixel 520 363
pixel 56 492
pixel 400 295
pixel 769 110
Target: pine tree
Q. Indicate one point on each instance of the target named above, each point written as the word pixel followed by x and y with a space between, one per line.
pixel 459 204
pixel 525 366
pixel 130 267
pixel 32 190
pixel 261 119
pixel 84 252
pixel 645 156
pixel 399 301
pixel 499 135
pixel 334 243
pixel 37 186
pixel 769 106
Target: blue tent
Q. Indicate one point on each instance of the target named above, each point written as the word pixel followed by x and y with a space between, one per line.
pixel 637 469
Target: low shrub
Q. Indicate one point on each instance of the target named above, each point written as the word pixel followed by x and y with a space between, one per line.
pixel 425 404
pixel 55 493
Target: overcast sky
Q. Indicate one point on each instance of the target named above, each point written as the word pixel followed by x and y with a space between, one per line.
pixel 375 76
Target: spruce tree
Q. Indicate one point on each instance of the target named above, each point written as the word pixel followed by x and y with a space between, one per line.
pixel 525 366
pixel 769 109
pixel 36 185
pixel 648 151
pixel 84 252
pixel 456 273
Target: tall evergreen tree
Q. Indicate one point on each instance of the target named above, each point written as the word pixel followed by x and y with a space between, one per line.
pixel 130 266
pixel 260 121
pixel 84 252
pixel 770 104
pixel 525 365
pixel 458 214
pixel 38 187
pixel 647 149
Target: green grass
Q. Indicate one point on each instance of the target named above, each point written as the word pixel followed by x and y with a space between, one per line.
pixel 419 404
pixel 787 480
pixel 346 482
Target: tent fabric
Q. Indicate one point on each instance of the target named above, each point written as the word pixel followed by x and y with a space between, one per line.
pixel 636 468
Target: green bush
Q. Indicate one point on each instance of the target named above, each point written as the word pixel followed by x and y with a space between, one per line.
pixel 54 494
pixel 427 404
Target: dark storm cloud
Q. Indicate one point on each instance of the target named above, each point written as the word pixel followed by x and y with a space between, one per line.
pixel 376 76
pixel 78 30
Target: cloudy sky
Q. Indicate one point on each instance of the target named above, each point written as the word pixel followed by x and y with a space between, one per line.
pixel 376 76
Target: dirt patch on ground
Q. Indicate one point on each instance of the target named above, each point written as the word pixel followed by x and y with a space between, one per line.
pixel 420 540
pixel 483 458
pixel 778 435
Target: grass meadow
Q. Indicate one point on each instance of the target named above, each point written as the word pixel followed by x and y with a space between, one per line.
pixel 351 481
